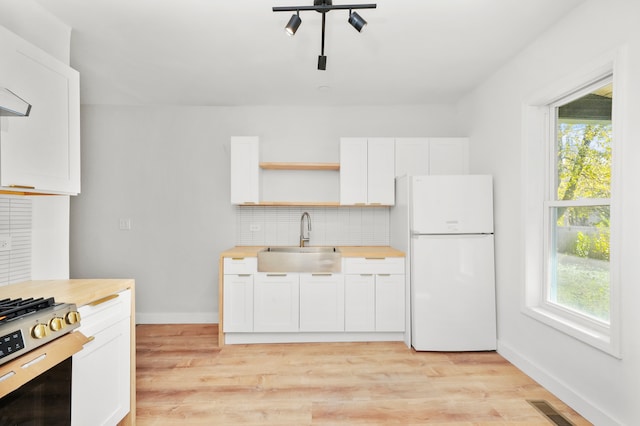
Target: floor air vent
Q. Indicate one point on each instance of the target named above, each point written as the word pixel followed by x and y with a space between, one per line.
pixel 549 412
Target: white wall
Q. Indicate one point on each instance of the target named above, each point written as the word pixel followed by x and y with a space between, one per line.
pixel 167 169
pixel 602 388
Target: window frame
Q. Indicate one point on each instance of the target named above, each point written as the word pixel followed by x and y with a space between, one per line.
pixel 538 185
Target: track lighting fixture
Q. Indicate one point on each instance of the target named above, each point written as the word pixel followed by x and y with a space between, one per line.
pixel 293 24
pixel 323 6
pixel 357 21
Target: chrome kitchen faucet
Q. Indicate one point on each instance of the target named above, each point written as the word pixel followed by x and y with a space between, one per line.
pixel 302 237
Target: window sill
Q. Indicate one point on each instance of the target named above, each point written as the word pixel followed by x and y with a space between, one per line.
pixel 578 330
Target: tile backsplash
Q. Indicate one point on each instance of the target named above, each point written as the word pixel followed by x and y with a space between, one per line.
pixel 330 226
pixel 15 224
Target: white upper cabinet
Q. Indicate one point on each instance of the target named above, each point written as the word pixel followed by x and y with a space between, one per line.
pixel 432 156
pixel 41 152
pixel 367 171
pixel 245 171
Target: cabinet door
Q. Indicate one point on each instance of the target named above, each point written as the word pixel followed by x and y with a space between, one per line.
pixel 353 171
pixel 321 302
pixel 448 156
pixel 390 303
pixel 101 370
pixel 238 303
pixel 40 152
pixel 245 170
pixel 360 303
pixel 381 172
pixel 412 156
pixel 276 302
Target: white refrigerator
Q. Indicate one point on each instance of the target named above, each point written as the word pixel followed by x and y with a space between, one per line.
pixel 448 225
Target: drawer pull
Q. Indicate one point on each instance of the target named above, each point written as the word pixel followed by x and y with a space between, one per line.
pixel 103 300
pixel 22 186
pixel 321 275
pixel 276 275
pixel 34 361
pixel 244 275
pixel 90 339
pixel 375 258
pixel 9 375
pixel 237 258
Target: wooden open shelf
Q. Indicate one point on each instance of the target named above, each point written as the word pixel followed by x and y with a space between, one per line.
pixel 299 166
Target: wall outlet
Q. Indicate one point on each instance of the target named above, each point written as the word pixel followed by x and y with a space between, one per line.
pixel 255 227
pixel 5 242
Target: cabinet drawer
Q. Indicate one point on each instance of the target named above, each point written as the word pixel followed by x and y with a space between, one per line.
pixel 240 265
pixel 369 265
pixel 102 313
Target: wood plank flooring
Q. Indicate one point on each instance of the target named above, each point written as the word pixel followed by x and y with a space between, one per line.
pixel 184 378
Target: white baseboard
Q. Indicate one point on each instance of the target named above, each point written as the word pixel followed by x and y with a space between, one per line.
pixel 562 390
pixel 176 318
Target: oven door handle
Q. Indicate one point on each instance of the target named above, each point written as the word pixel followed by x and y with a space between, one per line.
pixel 21 370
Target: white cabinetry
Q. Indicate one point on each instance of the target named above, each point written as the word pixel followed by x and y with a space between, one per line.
pixel 276 302
pixel 321 302
pixel 367 171
pixel 101 371
pixel 238 294
pixel 41 152
pixel 431 156
pixel 375 294
pixel 390 300
pixel 245 171
pixel 360 302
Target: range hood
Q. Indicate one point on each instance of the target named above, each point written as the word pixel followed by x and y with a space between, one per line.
pixel 12 105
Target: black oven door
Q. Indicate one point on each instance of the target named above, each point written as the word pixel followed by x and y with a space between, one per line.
pixel 35 388
pixel 43 401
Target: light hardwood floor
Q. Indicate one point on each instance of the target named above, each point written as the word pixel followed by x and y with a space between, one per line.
pixel 184 378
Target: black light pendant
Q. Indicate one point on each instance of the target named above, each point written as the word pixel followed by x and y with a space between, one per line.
pixel 357 21
pixel 293 24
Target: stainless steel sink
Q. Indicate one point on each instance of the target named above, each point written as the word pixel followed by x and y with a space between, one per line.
pixel 300 259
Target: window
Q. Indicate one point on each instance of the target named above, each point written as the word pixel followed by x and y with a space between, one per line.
pixel 571 229
pixel 577 208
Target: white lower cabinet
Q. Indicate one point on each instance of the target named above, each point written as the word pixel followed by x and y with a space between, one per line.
pixel 276 302
pixel 374 294
pixel 238 294
pixel 322 302
pixel 101 371
pixel 238 303
pixel 390 311
pixel 360 302
pixel 368 297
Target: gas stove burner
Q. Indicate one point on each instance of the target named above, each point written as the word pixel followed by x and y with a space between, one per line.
pixel 15 308
pixel 26 324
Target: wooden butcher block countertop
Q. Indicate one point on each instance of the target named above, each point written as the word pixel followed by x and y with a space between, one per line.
pixel 346 251
pixel 78 291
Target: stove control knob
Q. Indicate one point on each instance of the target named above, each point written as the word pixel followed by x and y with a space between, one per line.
pixel 72 317
pixel 57 324
pixel 40 331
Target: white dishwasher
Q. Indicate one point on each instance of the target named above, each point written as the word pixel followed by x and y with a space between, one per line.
pixel 101 371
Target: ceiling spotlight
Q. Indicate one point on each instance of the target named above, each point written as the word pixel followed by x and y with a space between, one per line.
pixel 357 21
pixel 324 6
pixel 293 24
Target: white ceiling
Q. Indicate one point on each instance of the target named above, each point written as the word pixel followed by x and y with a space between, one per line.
pixel 235 52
